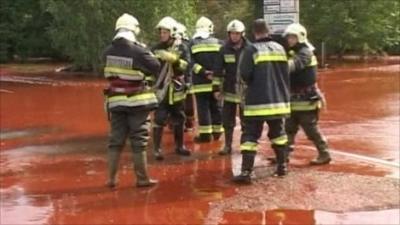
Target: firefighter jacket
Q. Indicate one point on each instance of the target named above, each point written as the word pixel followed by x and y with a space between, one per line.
pixel 305 95
pixel 226 66
pixel 126 64
pixel 264 70
pixel 204 54
pixel 181 74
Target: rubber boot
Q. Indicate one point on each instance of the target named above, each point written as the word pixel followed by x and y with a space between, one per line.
pixel 247 167
pixel 203 138
pixel 281 157
pixel 178 135
pixel 227 149
pixel 157 137
pixel 140 169
pixel 272 160
pixel 323 157
pixel 113 159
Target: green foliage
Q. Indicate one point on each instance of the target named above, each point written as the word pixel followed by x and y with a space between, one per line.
pixel 362 26
pixel 81 29
pixel 23 30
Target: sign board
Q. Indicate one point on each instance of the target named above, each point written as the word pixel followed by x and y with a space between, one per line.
pixel 280 13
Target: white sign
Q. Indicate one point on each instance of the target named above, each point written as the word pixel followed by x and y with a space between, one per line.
pixel 280 13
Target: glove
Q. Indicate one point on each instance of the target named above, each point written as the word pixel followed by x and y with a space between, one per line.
pixel 167 56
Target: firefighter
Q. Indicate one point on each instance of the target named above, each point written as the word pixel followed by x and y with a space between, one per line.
pixel 264 70
pixel 227 67
pixel 204 53
pixel 189 104
pixel 306 98
pixel 171 51
pixel 128 99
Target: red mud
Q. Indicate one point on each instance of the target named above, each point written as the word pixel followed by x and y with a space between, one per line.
pixel 53 143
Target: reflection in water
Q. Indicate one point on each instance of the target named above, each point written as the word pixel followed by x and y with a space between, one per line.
pixel 311 217
pixel 19 208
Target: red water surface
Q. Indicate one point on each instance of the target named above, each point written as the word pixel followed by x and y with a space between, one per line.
pixel 54 138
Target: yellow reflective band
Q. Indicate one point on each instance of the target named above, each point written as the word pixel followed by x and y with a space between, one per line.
pixel 267 109
pixel 305 105
pixel 205 48
pixel 216 80
pixel 229 97
pixel 267 57
pixel 197 68
pixel 291 53
pixel 282 140
pixel 229 58
pixel 197 88
pixel 134 100
pixel 205 129
pixel 248 146
pixel 217 129
pixel 122 73
pixel 314 61
pixel 183 64
pixel 179 96
pixel 149 78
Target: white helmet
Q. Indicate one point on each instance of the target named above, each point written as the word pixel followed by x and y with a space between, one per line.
pixel 204 25
pixel 182 31
pixel 235 26
pixel 298 30
pixel 128 22
pixel 168 23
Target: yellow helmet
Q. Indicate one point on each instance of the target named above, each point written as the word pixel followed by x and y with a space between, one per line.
pixel 298 30
pixel 128 22
pixel 235 26
pixel 205 25
pixel 168 23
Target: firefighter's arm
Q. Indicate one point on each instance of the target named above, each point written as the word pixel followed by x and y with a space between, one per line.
pixel 300 60
pixel 218 74
pixel 149 63
pixel 246 64
pixel 184 64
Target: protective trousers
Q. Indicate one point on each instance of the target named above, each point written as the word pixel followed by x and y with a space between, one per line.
pixel 308 120
pixel 189 111
pixel 209 115
pixel 276 134
pixel 229 111
pixel 132 124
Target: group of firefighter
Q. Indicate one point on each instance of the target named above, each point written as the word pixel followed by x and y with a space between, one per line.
pixel 262 81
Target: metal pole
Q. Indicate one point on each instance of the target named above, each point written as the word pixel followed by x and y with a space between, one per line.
pixel 323 55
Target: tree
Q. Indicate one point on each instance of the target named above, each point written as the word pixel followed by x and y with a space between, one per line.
pixel 362 26
pixel 23 30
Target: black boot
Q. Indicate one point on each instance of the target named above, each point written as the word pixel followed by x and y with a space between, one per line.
pixel 281 158
pixel 157 137
pixel 113 159
pixel 203 138
pixel 272 160
pixel 178 135
pixel 247 167
pixel 228 142
pixel 140 168
pixel 323 158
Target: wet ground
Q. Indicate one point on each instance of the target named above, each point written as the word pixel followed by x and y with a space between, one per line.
pixel 53 143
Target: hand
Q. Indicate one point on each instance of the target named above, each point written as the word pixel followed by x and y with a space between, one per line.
pixel 167 56
pixel 209 74
pixel 217 95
